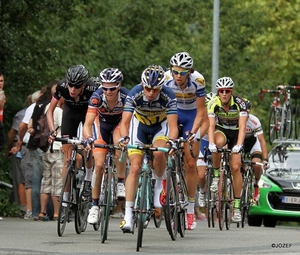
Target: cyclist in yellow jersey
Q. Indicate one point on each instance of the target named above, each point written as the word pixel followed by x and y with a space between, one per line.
pixel 150 110
pixel 227 116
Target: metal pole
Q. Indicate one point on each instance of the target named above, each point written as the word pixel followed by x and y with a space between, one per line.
pixel 215 50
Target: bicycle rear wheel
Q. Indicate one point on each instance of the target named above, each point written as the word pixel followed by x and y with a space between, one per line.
pixel 273 125
pixel 64 205
pixel 221 199
pixel 288 121
pixel 170 208
pixel 209 196
pixel 297 122
pixel 246 198
pixel 141 213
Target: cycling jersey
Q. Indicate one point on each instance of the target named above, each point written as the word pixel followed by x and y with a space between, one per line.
pixel 69 102
pixel 230 119
pixel 98 105
pixel 74 112
pixel 150 112
pixel 186 98
pixel 253 126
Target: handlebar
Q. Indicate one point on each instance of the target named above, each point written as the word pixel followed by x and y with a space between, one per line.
pixel 69 140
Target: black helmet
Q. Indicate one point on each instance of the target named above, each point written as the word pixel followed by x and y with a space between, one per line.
pixel 77 75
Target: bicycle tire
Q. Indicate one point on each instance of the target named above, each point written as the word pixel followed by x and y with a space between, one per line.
pixel 172 201
pixel 82 212
pixel 245 199
pixel 63 212
pixel 181 222
pixel 141 217
pixel 297 122
pixel 107 203
pixel 221 199
pixel 288 122
pixel 273 125
pixel 209 203
pixel 229 202
pixel 77 219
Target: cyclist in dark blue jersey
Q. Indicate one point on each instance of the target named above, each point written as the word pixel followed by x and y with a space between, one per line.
pixel 150 110
pixel 76 90
pixel 106 108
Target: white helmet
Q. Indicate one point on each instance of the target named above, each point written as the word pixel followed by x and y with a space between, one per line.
pixel 209 96
pixel 224 83
pixel 182 59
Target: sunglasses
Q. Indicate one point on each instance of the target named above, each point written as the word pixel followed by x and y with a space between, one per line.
pixel 151 89
pixel 75 86
pixel 227 91
pixel 110 88
pixel 182 73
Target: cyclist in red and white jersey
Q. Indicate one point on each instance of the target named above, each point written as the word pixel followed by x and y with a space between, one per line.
pixel 256 145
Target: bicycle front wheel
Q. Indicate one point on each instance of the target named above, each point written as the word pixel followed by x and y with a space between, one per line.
pixel 141 213
pixel 273 125
pixel 107 203
pixel 245 199
pixel 64 204
pixel 82 213
pixel 222 199
pixel 229 203
pixel 170 208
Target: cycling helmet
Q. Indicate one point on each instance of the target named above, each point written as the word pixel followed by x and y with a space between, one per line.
pixel 209 96
pixel 182 59
pixel 153 77
pixel 224 83
pixel 111 75
pixel 77 75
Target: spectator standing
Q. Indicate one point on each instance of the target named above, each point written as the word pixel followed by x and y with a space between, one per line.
pixel 17 175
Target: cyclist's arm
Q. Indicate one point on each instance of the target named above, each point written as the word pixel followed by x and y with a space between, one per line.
pixel 211 129
pixel 173 125
pixel 200 115
pixel 242 130
pixel 204 125
pixel 263 145
pixel 88 124
pixel 50 112
pixel 125 123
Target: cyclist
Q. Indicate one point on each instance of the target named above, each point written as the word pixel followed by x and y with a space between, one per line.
pixel 106 105
pixel 192 114
pixel 150 110
pixel 201 165
pixel 76 89
pixel 227 116
pixel 256 145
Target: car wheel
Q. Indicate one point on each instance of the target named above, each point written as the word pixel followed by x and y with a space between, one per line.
pixel 270 223
pixel 254 221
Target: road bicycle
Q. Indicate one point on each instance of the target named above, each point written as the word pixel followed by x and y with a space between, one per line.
pixel 176 192
pixel 143 209
pixel 225 191
pixel 108 198
pixel 247 195
pixel 75 202
pixel 280 118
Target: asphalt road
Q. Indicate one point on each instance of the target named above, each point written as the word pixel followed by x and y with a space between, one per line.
pixel 28 237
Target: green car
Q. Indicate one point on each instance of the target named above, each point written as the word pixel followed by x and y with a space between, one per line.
pixel 279 187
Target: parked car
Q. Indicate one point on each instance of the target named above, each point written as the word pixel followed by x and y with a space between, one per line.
pixel 279 188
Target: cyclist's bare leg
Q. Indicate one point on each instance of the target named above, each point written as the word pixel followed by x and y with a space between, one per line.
pixel 131 188
pixel 67 149
pixel 220 141
pixel 99 158
pixel 235 165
